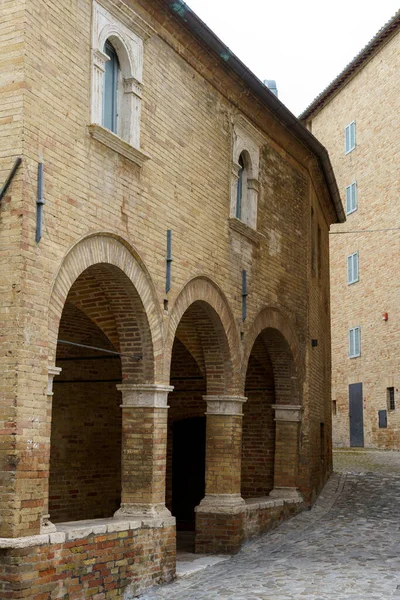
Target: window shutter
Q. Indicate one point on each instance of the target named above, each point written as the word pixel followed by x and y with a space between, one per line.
pixel 355 266
pixel 352 135
pixel 353 196
pixel 349 269
pixel 357 344
pixel 347 139
pixel 351 342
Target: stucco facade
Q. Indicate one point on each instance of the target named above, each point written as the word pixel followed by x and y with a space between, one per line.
pixel 367 93
pixel 101 358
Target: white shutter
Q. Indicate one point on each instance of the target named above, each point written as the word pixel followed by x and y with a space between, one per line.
pixel 350 269
pixel 357 342
pixel 355 266
pixel 354 196
pixel 347 139
pixel 351 342
pixel 352 135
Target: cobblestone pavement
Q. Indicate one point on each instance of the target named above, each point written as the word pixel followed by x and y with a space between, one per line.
pixel 346 547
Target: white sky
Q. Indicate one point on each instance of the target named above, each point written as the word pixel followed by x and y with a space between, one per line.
pixel 302 44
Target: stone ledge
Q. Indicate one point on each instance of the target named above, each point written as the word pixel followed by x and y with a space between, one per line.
pixel 109 139
pixel 82 529
pixel 253 504
pixel 240 227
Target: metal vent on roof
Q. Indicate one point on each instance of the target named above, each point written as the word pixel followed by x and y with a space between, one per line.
pixel 271 85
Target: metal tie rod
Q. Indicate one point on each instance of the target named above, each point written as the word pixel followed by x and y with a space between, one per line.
pixel 133 356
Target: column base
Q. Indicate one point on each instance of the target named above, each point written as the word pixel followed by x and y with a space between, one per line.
pixel 142 511
pixel 286 493
pixel 219 524
pixel 46 526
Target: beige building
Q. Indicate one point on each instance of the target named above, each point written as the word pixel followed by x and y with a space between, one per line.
pixel 164 298
pixel 357 118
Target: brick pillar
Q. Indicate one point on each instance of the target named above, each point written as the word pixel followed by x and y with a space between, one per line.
pixel 46 526
pixel 144 450
pixel 286 467
pixel 219 516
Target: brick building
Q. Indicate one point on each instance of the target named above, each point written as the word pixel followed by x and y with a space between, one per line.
pixel 357 119
pixel 179 261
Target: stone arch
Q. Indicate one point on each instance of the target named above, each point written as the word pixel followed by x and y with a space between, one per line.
pixel 282 345
pixel 207 304
pixel 123 276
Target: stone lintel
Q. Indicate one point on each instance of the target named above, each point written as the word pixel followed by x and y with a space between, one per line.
pixel 226 504
pixel 225 405
pixel 287 412
pixel 286 493
pixel 142 511
pixel 144 395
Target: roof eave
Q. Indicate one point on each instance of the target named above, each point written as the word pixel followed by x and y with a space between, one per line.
pixel 200 30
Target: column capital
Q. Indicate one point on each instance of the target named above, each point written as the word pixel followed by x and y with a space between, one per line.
pixel 52 371
pixel 288 412
pixel 99 59
pixel 225 405
pixel 147 395
pixel 133 86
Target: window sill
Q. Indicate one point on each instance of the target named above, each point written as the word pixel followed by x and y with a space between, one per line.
pixel 238 225
pixel 109 139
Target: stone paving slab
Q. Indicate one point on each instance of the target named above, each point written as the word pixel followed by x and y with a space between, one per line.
pixel 346 548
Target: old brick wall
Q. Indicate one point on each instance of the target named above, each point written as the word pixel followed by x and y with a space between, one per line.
pixel 99 566
pixel 190 104
pixel 85 453
pixel 258 441
pixel 371 98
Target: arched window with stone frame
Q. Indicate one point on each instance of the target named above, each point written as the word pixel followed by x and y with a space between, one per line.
pixel 117 80
pixel 244 190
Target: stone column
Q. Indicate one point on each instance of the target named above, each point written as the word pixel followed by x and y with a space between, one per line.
pixel 286 468
pixel 219 516
pixel 46 526
pixel 144 450
pixel 132 110
pixel 99 66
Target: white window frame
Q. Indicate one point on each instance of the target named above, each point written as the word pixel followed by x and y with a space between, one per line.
pixel 247 142
pixel 354 342
pixel 351 198
pixel 350 137
pixel 353 268
pixel 127 34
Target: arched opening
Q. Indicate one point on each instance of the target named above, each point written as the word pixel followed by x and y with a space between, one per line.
pixel 102 339
pixel 198 367
pixel 270 381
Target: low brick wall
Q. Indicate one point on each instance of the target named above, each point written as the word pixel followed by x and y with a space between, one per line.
pixel 108 559
pixel 264 514
pixel 225 533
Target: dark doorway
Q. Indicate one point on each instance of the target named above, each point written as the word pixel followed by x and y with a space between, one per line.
pixel 188 470
pixel 356 415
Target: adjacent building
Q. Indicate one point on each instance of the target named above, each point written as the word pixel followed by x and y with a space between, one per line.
pixel 164 298
pixel 357 118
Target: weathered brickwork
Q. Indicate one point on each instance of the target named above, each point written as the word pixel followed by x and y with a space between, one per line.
pixel 100 566
pixel 98 441
pixel 370 97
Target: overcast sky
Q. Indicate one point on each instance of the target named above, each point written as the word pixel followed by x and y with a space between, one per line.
pixel 302 44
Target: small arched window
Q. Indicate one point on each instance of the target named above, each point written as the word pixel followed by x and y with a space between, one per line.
pixel 239 195
pixel 110 89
